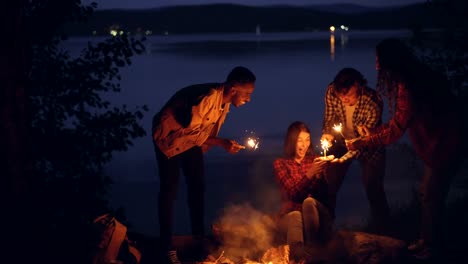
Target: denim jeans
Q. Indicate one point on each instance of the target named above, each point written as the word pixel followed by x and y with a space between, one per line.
pixel 434 189
pixel 372 175
pixel 192 164
pixel 313 225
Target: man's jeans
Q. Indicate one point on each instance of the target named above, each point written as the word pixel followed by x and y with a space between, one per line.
pixel 373 173
pixel 192 164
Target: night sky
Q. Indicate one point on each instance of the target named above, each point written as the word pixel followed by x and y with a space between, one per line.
pixel 106 4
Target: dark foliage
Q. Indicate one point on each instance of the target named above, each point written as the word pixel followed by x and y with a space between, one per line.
pixel 74 129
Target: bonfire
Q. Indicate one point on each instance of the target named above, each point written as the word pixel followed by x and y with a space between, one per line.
pixel 276 255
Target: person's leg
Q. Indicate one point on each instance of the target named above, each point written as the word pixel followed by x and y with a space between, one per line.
pixel 434 190
pixel 294 234
pixel 294 229
pixel 318 222
pixel 326 223
pixel 335 176
pixel 373 172
pixel 193 168
pixel 311 220
pixel 169 179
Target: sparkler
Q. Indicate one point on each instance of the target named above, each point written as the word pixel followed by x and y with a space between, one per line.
pixel 251 141
pixel 325 145
pixel 338 128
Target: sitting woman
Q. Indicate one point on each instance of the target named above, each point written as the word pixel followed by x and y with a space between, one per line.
pixel 304 215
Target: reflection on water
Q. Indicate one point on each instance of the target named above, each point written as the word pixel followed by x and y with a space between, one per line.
pixel 332 46
pixel 344 39
pixel 249 44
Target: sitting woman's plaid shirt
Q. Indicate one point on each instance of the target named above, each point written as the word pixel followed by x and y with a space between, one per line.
pixel 295 186
pixel 368 113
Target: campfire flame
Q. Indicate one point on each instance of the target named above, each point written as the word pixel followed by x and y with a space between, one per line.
pixel 246 236
pixel 275 255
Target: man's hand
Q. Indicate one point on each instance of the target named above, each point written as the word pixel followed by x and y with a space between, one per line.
pixel 363 131
pixel 232 146
pixel 355 143
pixel 336 160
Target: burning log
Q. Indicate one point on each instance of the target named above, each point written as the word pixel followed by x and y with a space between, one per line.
pixel 277 255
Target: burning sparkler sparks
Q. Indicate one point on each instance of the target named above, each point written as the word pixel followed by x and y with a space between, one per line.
pixel 338 128
pixel 325 145
pixel 251 141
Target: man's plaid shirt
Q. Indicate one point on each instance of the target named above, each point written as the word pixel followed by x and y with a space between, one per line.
pixel 368 112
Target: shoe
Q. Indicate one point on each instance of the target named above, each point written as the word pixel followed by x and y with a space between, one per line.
pixel 417 246
pixel 172 258
pixel 423 254
pixel 421 250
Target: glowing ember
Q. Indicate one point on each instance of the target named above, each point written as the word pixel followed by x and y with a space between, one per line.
pixel 325 145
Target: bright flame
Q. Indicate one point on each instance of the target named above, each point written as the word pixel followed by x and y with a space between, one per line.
pixel 252 143
pixel 325 145
pixel 338 128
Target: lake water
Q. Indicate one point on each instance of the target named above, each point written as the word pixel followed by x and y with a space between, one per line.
pixel 292 69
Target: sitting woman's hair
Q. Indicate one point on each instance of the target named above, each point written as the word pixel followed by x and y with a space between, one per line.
pixel 290 140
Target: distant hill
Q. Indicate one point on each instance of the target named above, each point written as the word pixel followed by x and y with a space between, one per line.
pixel 239 18
pixel 343 8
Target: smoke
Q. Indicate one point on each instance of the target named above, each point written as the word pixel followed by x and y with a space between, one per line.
pixel 244 232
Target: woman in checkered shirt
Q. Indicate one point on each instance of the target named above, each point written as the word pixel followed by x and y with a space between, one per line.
pixel 304 215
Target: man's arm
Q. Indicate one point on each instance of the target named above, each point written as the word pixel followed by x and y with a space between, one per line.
pixel 347 156
pixel 229 145
pixel 396 127
pixel 373 109
pixel 329 114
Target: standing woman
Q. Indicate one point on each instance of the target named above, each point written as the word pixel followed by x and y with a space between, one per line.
pixel 304 216
pixel 421 102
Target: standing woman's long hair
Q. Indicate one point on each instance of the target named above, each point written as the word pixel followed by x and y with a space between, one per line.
pixel 290 140
pixel 399 65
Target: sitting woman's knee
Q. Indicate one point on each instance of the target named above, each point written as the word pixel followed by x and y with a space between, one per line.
pixel 309 202
pixel 294 214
